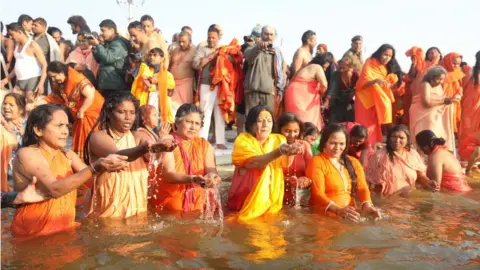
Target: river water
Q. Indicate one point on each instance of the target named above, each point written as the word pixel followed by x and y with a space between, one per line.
pixel 424 231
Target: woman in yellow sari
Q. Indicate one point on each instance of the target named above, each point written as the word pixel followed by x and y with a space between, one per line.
pixel 258 183
pixel 338 179
pixel 75 91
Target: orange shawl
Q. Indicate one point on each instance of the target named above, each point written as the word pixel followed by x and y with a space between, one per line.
pixel 418 57
pixel 227 74
pixel 165 82
pixel 452 85
pixel 376 95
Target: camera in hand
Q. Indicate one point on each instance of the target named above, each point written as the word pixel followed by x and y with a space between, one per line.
pixel 270 46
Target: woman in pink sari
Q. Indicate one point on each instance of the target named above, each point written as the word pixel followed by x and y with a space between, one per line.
pixel 429 107
pixel 396 167
pixel 303 95
pixel 443 167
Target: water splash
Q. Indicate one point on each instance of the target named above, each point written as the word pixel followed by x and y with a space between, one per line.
pixel 212 205
pixel 297 196
pixel 153 163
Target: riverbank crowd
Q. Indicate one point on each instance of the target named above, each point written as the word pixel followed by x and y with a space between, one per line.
pixel 334 130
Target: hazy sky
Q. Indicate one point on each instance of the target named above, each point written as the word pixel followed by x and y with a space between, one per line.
pixel 402 23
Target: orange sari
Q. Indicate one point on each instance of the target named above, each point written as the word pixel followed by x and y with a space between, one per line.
pixel 227 74
pixel 373 104
pixel 330 186
pixel 50 216
pixel 7 143
pixel 470 122
pixel 70 95
pixel 452 85
pixel 186 197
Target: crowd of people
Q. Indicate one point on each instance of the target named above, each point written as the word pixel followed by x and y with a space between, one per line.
pixel 141 112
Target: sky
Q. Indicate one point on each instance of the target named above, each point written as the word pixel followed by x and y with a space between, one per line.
pixel 402 23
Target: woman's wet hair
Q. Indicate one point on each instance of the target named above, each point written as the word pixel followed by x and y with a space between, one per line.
pixel 39 118
pixel 433 73
pixel 105 118
pixel 286 119
pixel 187 109
pixel 394 129
pixel 309 129
pixel 327 132
pixel 431 49
pixel 427 138
pixel 322 59
pixel 19 100
pixel 476 69
pixel 252 117
pixel 359 131
pixel 392 66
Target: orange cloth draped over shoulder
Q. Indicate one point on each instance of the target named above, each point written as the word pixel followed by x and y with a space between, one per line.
pixel 139 89
pixel 71 96
pixel 330 186
pixel 7 143
pixel 452 84
pixel 470 122
pixel 186 197
pixel 50 216
pixel 165 82
pixel 227 74
pixel 373 104
pixel 418 57
pixel 256 192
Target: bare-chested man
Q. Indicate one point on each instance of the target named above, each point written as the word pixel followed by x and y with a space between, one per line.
pixel 303 55
pixel 181 67
pixel 140 38
pixel 149 27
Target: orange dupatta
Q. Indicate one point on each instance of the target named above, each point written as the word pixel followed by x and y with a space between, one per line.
pixel 165 82
pixel 227 76
pixel 452 85
pixel 138 86
pixel 376 95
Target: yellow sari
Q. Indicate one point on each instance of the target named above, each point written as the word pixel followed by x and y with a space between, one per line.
pixel 258 191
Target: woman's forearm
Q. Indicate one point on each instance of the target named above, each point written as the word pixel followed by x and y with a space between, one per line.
pixel 262 161
pixel 134 153
pixel 86 104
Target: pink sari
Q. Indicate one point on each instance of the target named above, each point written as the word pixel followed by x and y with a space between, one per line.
pixel 397 175
pixel 304 98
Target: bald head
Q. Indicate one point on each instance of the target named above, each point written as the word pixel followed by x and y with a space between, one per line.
pixel 268 33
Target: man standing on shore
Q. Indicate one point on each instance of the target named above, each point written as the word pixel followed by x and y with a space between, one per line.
pixel 303 55
pixel 181 67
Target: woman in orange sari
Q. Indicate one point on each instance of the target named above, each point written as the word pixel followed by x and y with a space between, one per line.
pixel 338 179
pixel 59 173
pixel 290 126
pixel 121 194
pixel 183 174
pixel 303 95
pixel 452 85
pixel 259 157
pixel 470 122
pixel 374 94
pixel 72 89
pixel 443 167
pixel 396 167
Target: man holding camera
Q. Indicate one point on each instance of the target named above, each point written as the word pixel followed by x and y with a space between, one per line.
pixel 264 83
pixel 113 59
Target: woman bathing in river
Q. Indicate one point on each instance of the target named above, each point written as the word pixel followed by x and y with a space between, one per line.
pixel 443 167
pixel 338 179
